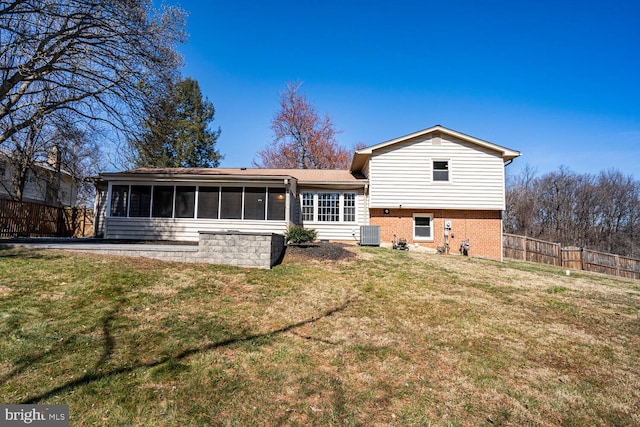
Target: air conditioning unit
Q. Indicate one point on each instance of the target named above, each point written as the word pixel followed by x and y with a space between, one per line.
pixel 369 235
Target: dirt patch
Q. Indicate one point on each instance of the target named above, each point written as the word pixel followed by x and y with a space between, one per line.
pixel 324 251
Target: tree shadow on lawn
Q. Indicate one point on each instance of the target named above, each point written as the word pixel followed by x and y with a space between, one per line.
pixel 28 253
pixel 109 345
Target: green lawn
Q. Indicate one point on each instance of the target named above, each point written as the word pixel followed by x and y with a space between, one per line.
pixel 388 338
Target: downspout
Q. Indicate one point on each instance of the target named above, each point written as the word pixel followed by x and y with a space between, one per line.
pixel 366 203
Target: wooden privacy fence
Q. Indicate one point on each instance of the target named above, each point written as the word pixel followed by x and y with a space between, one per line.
pixel 27 219
pixel 528 249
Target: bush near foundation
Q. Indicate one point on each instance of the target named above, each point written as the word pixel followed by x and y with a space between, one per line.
pixel 298 234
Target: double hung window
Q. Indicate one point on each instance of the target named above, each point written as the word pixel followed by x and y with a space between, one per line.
pixel 441 170
pixel 423 227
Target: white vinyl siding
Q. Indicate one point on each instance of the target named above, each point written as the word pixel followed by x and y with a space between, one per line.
pixel 184 229
pixel 402 175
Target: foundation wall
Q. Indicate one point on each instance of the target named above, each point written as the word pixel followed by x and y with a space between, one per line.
pixel 483 229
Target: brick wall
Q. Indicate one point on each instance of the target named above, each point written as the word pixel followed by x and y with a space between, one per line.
pixel 482 228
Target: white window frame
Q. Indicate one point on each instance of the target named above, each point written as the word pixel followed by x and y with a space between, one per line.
pixel 423 238
pixel 305 215
pixel 328 212
pixel 433 171
pixel 314 215
pixel 351 209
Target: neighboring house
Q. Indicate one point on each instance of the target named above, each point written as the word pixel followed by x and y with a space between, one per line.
pixel 419 187
pixel 40 186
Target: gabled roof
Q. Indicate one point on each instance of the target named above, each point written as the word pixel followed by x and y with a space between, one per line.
pixel 303 176
pixel 360 157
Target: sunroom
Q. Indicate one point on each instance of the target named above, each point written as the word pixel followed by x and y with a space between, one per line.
pixel 179 206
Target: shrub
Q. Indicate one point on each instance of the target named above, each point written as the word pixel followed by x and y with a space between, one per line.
pixel 298 234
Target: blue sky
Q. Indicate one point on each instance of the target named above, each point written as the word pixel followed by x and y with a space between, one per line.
pixel 558 81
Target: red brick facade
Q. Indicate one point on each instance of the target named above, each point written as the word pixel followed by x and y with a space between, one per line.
pixel 482 228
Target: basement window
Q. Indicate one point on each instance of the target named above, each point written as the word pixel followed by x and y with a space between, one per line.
pixel 423 227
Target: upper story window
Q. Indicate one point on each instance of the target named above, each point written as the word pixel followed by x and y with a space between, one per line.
pixel 3 168
pixel 441 170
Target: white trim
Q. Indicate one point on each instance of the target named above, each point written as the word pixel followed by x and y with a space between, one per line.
pixel 413 227
pixel 433 170
pixel 506 152
pixel 316 207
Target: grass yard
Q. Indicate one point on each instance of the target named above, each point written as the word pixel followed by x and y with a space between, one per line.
pixel 384 338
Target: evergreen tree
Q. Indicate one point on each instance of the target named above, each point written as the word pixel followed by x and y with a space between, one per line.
pixel 177 133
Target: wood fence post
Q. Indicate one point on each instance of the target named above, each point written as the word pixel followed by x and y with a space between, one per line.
pixel 559 246
pixel 525 248
pixel 617 258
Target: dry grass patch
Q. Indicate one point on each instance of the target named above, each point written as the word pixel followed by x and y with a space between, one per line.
pixel 377 339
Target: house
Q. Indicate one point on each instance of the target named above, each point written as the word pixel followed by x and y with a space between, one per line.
pixel 435 188
pixel 41 182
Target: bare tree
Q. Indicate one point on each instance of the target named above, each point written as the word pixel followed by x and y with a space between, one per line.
pixel 520 200
pixel 93 60
pixel 302 139
pixel 47 150
pixel 601 213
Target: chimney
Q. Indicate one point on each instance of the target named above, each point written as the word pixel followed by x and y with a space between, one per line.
pixel 54 157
